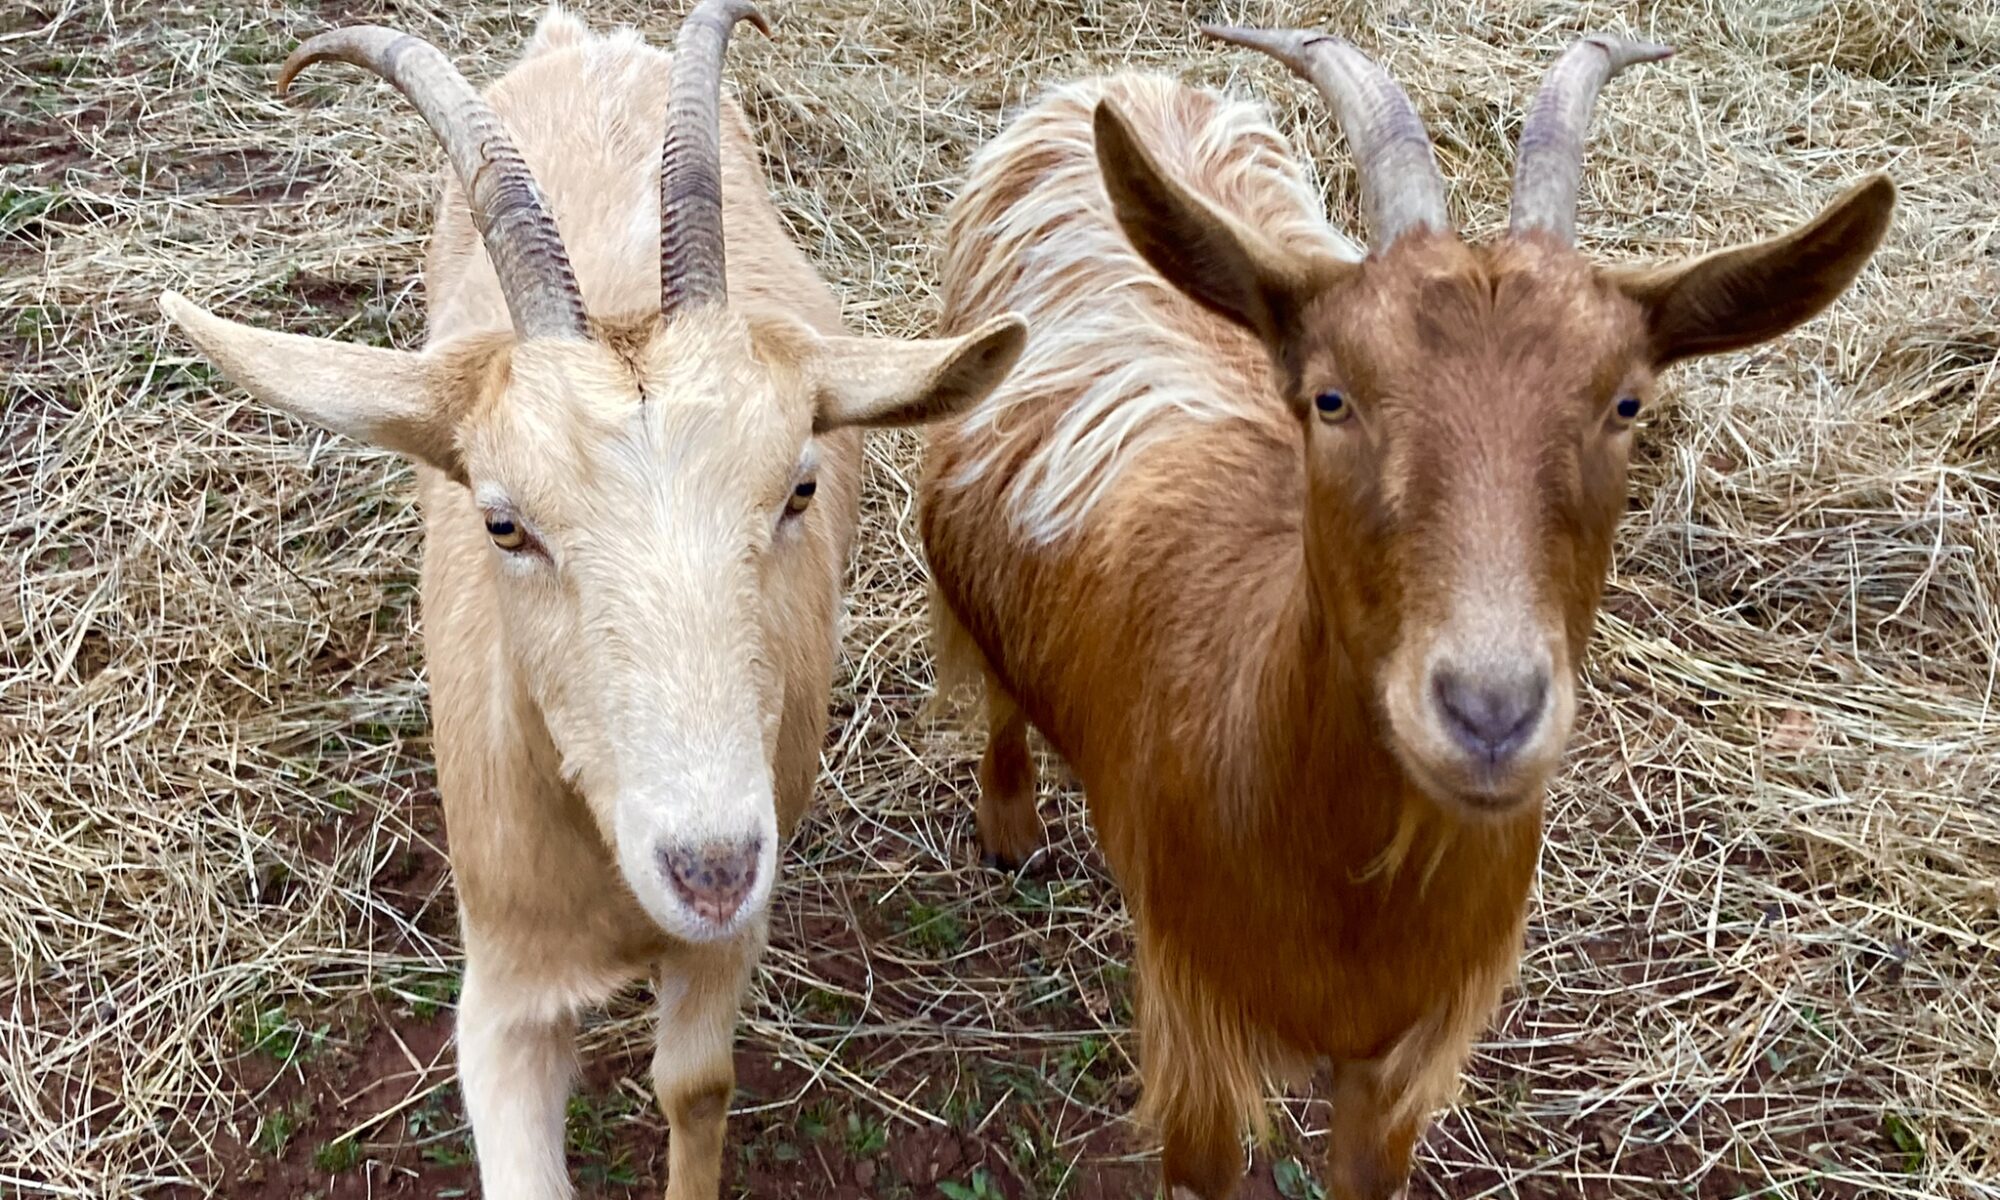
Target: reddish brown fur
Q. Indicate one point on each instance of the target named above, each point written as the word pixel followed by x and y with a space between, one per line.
pixel 1212 645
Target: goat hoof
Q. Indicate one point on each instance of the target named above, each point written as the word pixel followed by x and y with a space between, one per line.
pixel 996 861
pixel 1035 866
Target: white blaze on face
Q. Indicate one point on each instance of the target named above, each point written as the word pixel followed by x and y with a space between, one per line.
pixel 635 612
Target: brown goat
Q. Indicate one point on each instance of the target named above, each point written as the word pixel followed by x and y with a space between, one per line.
pixel 1293 557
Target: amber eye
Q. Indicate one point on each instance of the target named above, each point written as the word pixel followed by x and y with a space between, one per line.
pixel 801 497
pixel 1627 407
pixel 1332 407
pixel 506 533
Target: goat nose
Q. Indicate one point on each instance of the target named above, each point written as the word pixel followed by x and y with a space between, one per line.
pixel 713 879
pixel 1491 716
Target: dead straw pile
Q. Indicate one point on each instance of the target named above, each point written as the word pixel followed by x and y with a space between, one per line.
pixel 1765 958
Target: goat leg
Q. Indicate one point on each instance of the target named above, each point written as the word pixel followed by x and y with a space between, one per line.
pixel 1368 1147
pixel 1010 829
pixel 516 1058
pixel 694 1072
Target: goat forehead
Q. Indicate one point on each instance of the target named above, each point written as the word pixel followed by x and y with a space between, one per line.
pixel 588 453
pixel 703 378
pixel 1513 307
pixel 1482 370
pixel 1525 319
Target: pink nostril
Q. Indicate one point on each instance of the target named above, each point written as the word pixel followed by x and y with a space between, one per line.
pixel 1491 717
pixel 713 879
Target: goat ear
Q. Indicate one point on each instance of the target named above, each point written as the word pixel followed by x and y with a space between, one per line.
pixel 1751 294
pixel 877 382
pixel 409 403
pixel 1213 258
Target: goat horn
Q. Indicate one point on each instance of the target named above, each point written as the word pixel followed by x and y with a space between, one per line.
pixel 507 207
pixel 1400 183
pixel 691 260
pixel 1549 164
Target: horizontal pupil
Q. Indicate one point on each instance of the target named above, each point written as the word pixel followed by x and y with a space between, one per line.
pixel 499 528
pixel 806 489
pixel 1329 401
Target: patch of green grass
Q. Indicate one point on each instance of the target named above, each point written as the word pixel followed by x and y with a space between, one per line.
pixel 1909 1142
pixel 592 1128
pixel 337 1156
pixel 1031 1154
pixel 816 1119
pixel 60 66
pixel 29 319
pixel 1294 1181
pixel 1051 1171
pixel 451 1152
pixel 427 993
pixel 436 1126
pixel 933 930
pixel 1116 980
pixel 866 1136
pixel 831 1007
pixel 279 1126
pixel 977 1186
pixel 345 799
pixel 1030 896
pixel 252 47
pixel 1048 987
pixel 1024 1082
pixel 960 1105
pixel 1079 1065
pixel 270 1029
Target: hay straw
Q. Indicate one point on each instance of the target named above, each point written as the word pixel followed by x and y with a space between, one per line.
pixel 1768 925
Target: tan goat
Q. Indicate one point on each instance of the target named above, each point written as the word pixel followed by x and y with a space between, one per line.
pixel 636 526
pixel 1293 555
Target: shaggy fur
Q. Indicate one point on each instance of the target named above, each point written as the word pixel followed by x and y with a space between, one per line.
pixel 1079 274
pixel 1230 608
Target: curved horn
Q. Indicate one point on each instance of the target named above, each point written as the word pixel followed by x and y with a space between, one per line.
pixel 1400 184
pixel 1548 167
pixel 691 262
pixel 506 205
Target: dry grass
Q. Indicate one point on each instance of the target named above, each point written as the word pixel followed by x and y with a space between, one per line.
pixel 1765 958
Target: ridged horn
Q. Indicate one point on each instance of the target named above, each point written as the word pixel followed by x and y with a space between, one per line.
pixel 507 206
pixel 1400 185
pixel 691 254
pixel 1548 166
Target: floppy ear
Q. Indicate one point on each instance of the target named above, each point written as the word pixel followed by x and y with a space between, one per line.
pixel 1736 298
pixel 877 382
pixel 409 403
pixel 1213 258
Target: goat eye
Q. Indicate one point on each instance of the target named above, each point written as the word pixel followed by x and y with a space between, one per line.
pixel 1332 407
pixel 1628 407
pixel 506 534
pixel 801 497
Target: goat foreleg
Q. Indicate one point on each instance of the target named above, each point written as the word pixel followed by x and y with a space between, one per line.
pixel 694 1073
pixel 1010 830
pixel 516 1058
